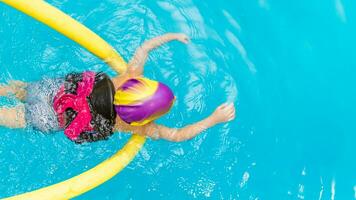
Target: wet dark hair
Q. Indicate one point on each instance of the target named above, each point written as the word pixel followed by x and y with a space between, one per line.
pixel 101 106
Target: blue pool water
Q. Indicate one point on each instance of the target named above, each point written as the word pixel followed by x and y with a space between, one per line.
pixel 289 66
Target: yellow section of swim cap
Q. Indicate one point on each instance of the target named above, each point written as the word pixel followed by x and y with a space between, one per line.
pixel 137 93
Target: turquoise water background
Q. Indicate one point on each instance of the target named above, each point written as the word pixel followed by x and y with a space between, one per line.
pixel 289 67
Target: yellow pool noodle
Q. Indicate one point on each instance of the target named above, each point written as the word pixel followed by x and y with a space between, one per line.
pixel 90 179
pixel 69 27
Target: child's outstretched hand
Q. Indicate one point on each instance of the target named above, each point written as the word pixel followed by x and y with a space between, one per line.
pixel 223 113
pixel 182 37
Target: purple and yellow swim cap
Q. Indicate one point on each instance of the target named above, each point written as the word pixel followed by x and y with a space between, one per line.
pixel 139 101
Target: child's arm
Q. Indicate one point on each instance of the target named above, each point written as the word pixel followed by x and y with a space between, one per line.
pixel 135 66
pixel 223 113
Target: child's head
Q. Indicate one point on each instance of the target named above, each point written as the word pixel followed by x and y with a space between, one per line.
pixel 139 101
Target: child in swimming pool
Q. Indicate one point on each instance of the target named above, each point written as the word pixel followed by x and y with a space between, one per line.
pixel 91 106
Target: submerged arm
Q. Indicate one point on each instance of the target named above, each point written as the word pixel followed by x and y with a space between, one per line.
pixel 185 133
pixel 135 66
pixel 223 113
